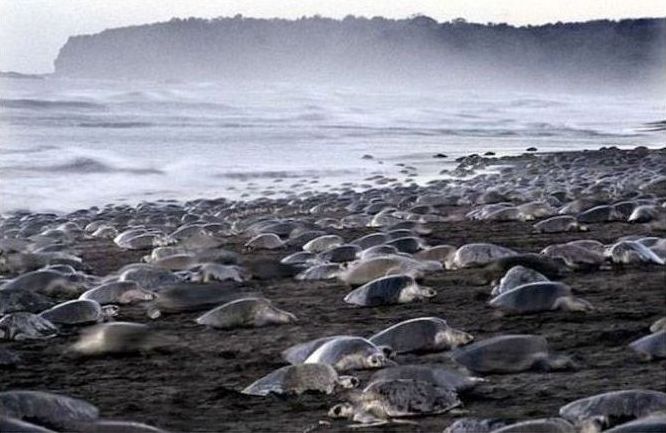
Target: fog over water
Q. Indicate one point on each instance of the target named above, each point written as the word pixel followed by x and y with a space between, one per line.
pixel 69 143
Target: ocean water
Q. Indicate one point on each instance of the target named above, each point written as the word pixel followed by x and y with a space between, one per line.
pixel 67 144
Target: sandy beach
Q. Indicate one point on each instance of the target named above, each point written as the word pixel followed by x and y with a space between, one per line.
pixel 196 384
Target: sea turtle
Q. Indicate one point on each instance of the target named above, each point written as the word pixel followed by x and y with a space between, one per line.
pixel 189 297
pixel 381 401
pixel 510 354
pixel 631 252
pixel 50 410
pixel 440 253
pixel 325 271
pixel 517 276
pixel 542 425
pixel 340 254
pixel 26 326
pixel 148 277
pixel 349 353
pixel 118 292
pixel 245 312
pixel 298 353
pixel 423 334
pixel 17 300
pixel 370 240
pixel 300 378
pixel 393 289
pixel 79 312
pixel 437 375
pixel 47 282
pixel 575 256
pixel 323 243
pixel 553 268
pixel 651 346
pixel 377 251
pixel 476 425
pixel 264 241
pixel 608 408
pixel 208 272
pixel 559 224
pixel 540 296
pixel 364 271
pixel 477 254
pixel 407 244
pixel 599 214
pixel 118 338
pixel 649 424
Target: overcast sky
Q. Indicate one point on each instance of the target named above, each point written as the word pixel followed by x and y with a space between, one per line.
pixel 32 31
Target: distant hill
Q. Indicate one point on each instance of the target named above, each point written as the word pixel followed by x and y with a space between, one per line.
pixel 420 50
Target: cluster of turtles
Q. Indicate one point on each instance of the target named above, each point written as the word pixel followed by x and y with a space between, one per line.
pixel 194 262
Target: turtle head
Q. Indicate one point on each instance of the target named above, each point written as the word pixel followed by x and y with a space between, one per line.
pixel 428 292
pixel 110 311
pixel 348 382
pixel 449 338
pixel 377 360
pixel 341 410
pixel 388 351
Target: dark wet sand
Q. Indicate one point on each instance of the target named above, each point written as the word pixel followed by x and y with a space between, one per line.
pixel 195 387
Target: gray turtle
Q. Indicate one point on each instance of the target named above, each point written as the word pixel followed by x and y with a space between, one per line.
pixel 380 402
pixel 245 312
pixel 370 240
pixel 297 379
pixel 18 300
pixel 349 353
pixel 603 409
pixel 377 251
pixel 26 326
pixel 149 277
pixel 649 424
pixel 437 375
pixel 190 297
pixel 340 254
pixel 477 254
pixel 407 244
pixel 325 271
pixel 510 354
pixel 118 338
pixel 47 282
pixel 79 312
pixel 517 276
pixel 559 224
pixel 298 353
pixel 631 252
pixel 209 272
pixel 423 334
pixel 541 296
pixel 51 410
pixel 393 289
pixel 13 425
pixel 651 346
pixel 323 243
pixel 575 256
pixel 118 292
pixel 599 214
pixel 542 425
pixel 367 270
pixel 476 425
pixel 264 241
pixel 440 253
